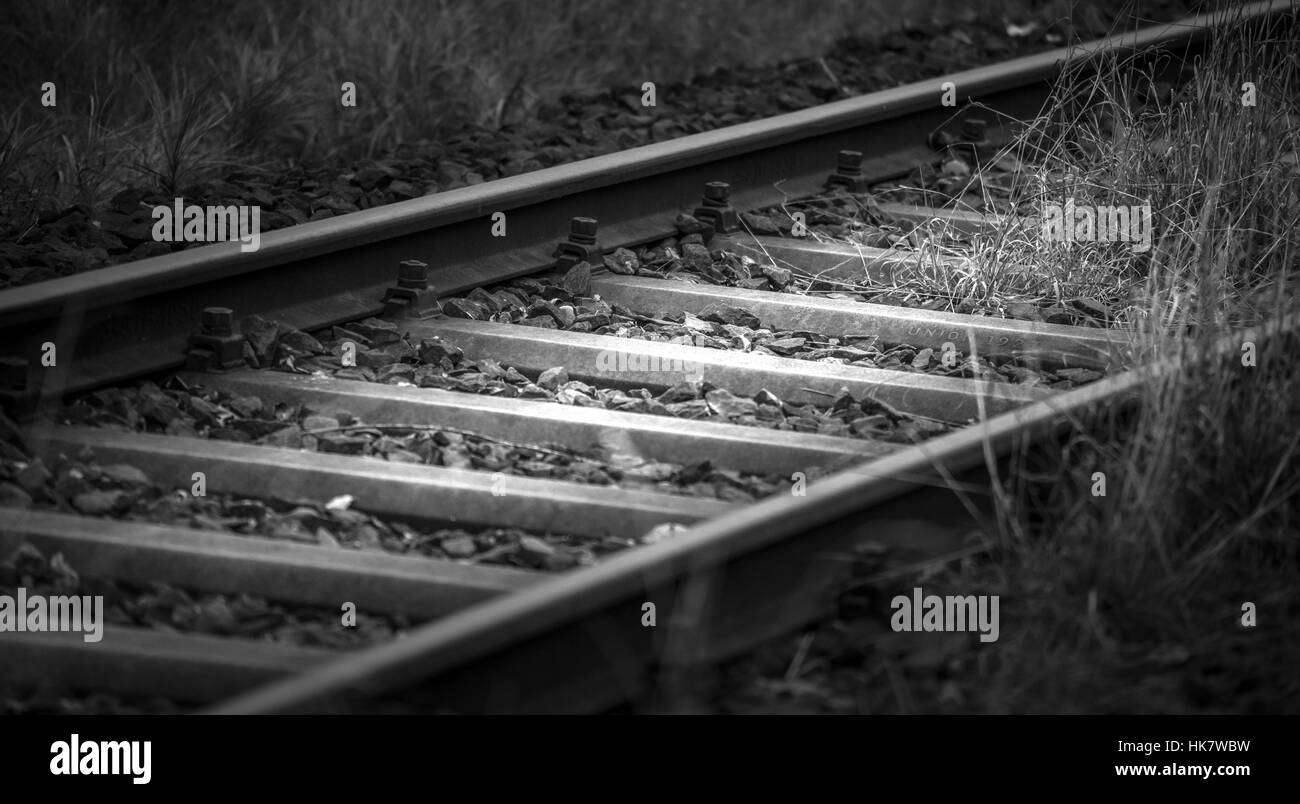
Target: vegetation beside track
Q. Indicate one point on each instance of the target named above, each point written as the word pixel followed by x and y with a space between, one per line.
pixel 1176 590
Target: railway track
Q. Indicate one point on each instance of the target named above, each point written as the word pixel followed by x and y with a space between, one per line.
pixel 514 442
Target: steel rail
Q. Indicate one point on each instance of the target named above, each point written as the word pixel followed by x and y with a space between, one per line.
pixel 577 643
pixel 133 319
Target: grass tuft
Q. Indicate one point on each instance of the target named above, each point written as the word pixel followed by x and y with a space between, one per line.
pixel 1133 601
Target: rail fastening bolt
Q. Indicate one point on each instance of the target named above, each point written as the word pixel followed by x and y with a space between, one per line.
pixel 717 193
pixel 582 229
pixel 218 320
pixel 850 162
pixel 413 274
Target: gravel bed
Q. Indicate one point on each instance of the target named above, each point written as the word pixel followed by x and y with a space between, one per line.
pixel 994 186
pixel 75 484
pixel 559 304
pixel 248 419
pixel 386 355
pixel 62 242
pixel 163 607
pixel 732 327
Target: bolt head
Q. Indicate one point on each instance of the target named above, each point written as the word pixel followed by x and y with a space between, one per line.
pixel 717 191
pixel 218 320
pixel 850 160
pixel 583 227
pixel 413 273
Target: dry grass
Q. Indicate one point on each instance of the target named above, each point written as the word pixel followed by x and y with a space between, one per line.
pixel 1119 137
pixel 157 92
pixel 1132 601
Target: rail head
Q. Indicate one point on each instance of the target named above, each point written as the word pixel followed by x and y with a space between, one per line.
pixel 306 241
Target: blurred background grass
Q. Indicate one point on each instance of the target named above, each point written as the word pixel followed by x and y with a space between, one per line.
pixel 160 92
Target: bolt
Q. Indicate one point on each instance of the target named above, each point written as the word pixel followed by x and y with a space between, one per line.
pixel 850 162
pixel 13 372
pixel 972 129
pixel 582 230
pixel 218 320
pixel 717 193
pixel 412 274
